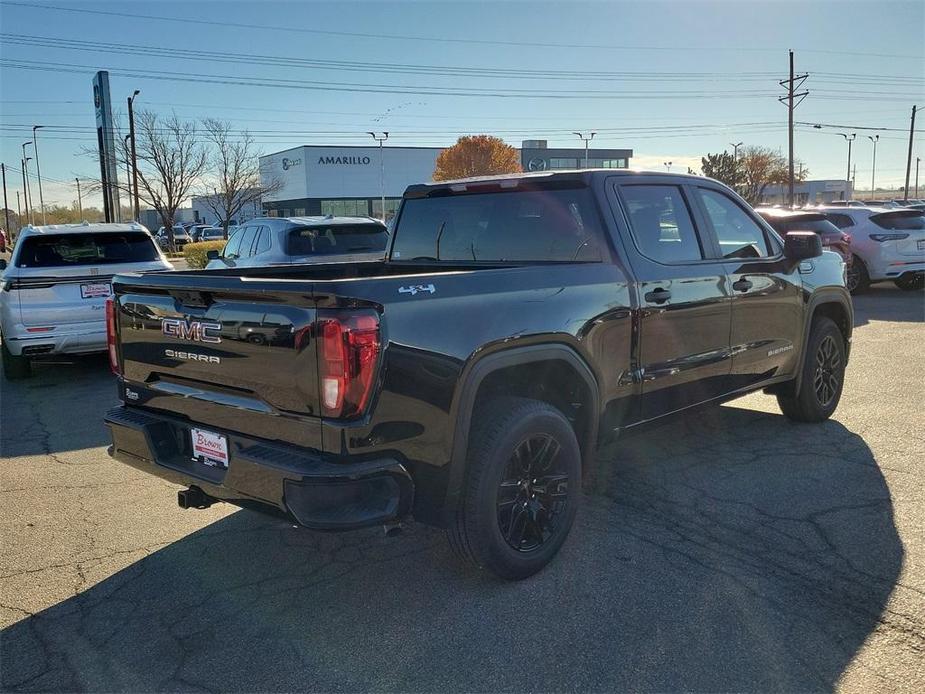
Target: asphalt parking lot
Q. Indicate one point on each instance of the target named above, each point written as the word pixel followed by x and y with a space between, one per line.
pixel 728 550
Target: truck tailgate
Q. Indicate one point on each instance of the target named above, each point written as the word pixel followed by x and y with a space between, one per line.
pixel 223 355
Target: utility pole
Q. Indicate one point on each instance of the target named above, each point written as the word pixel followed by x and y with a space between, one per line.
pixel 917 160
pixel 80 207
pixel 792 84
pixel 873 167
pixel 587 140
pixel 38 169
pixel 909 156
pixel 6 208
pixel 381 139
pixel 131 134
pixel 18 209
pixel 735 162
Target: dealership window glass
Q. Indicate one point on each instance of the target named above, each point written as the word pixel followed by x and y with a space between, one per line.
pixel 738 234
pixel 613 163
pixel 563 163
pixel 298 212
pixel 345 208
pixel 339 238
pixel 661 223
pixel 391 207
pixel 537 225
pixel 73 250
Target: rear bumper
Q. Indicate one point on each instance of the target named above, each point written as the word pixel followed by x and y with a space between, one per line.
pixel 302 485
pixel 82 341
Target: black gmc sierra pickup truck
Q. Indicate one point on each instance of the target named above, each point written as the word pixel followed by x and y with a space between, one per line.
pixel 516 323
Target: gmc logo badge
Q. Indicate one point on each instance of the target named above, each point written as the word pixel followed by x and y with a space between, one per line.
pixel 192 330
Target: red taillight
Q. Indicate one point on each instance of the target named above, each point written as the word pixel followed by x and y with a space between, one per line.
pixel 348 348
pixel 111 337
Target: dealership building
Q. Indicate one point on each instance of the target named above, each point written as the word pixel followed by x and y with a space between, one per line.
pixel 346 180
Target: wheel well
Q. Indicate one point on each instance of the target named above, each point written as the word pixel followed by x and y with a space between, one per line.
pixel 837 313
pixel 553 381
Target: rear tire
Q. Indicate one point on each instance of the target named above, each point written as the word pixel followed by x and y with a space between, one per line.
pixel 15 368
pixel 823 375
pixel 858 279
pixel 522 489
pixel 911 283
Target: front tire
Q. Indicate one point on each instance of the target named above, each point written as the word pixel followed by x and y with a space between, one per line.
pixel 911 283
pixel 15 368
pixel 858 279
pixel 522 489
pixel 823 375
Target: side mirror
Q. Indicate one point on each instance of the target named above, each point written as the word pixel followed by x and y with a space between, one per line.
pixel 802 245
pixel 2 263
pixel 212 255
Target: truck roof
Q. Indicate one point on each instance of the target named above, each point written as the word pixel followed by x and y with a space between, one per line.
pixel 585 175
pixel 82 228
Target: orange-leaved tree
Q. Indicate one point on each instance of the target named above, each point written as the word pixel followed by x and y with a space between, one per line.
pixel 477 155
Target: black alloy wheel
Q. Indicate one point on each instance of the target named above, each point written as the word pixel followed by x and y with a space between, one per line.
pixel 533 493
pixel 827 371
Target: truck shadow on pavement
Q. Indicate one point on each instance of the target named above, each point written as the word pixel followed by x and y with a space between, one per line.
pixel 885 302
pixel 39 420
pixel 730 550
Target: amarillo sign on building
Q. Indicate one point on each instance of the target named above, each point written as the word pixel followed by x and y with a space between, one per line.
pixel 342 180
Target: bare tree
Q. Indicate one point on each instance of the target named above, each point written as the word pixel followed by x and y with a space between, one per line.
pixel 170 161
pixel 234 165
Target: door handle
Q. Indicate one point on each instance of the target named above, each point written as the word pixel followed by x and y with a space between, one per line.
pixel 742 285
pixel 658 296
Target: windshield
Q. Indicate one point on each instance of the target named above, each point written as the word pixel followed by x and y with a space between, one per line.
pixel 74 250
pixel 339 238
pixel 531 225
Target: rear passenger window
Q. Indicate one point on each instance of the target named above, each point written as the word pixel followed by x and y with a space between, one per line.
pixel 234 243
pixel 263 241
pixel 247 240
pixel 661 223
pixel 739 236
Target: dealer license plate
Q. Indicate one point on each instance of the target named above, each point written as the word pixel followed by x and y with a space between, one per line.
pixel 94 291
pixel 210 448
pixel 921 243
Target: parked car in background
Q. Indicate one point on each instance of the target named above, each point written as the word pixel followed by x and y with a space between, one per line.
pixel 833 238
pixel 886 244
pixel 844 203
pixel 53 293
pixel 2 241
pixel 181 237
pixel 205 232
pixel 288 240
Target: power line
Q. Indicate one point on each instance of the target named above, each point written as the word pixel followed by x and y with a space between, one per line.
pixel 134 16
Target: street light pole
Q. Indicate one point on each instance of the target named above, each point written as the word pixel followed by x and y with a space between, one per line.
pixel 667 165
pixel 587 140
pixel 26 186
pixel 381 138
pixel 873 166
pixel 849 140
pixel 38 170
pixel 6 208
pixel 131 134
pixel 80 207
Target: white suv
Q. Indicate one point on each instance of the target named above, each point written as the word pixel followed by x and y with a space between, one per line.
pixel 53 292
pixel 887 243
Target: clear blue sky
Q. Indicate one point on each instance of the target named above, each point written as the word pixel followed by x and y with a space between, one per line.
pixel 712 67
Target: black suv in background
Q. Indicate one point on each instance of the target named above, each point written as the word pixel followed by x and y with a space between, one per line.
pixel 468 378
